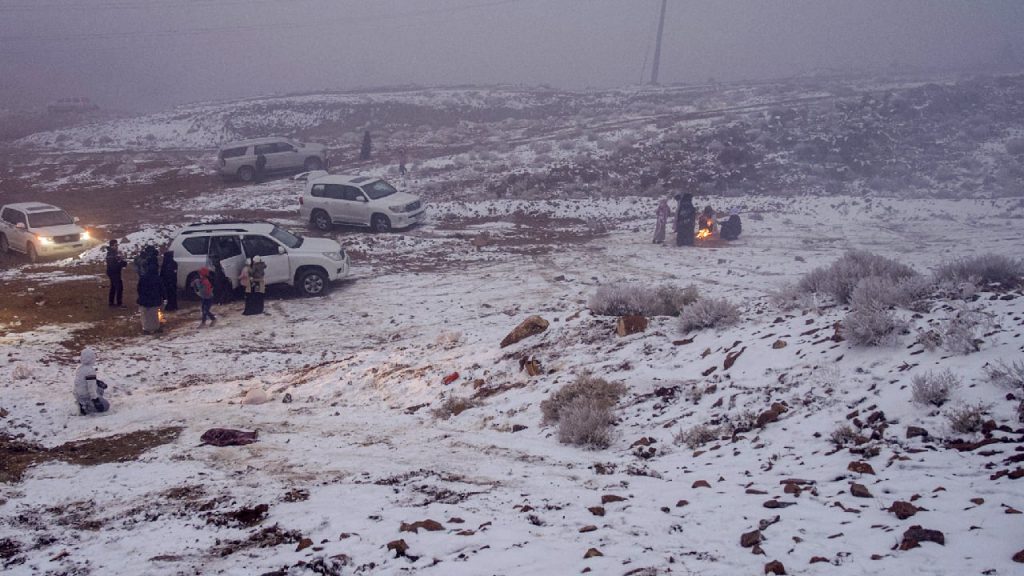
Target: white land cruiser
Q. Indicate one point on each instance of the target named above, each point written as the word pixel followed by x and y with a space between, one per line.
pixel 40 230
pixel 357 200
pixel 309 264
pixel 249 160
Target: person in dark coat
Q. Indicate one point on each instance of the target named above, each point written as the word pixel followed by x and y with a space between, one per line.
pixel 151 296
pixel 732 227
pixel 169 277
pixel 707 221
pixel 686 217
pixel 115 264
pixel 366 147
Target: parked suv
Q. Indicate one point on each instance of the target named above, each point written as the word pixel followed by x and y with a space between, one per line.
pixel 309 264
pixel 251 159
pixel 40 230
pixel 358 200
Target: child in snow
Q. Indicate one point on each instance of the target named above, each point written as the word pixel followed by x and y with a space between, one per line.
pixel 204 289
pixel 88 390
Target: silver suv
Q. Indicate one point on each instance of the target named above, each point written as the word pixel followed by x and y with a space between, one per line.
pixel 308 264
pixel 248 160
pixel 39 230
pixel 357 200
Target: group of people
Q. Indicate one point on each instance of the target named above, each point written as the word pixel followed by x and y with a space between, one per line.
pixel 687 218
pixel 158 285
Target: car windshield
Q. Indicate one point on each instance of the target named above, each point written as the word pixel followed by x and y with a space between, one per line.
pixel 287 238
pixel 44 219
pixel 379 189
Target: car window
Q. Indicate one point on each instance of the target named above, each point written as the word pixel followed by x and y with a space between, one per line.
pixel 224 247
pixel 265 149
pixel 286 237
pixel 354 194
pixel 51 218
pixel 13 216
pixel 259 246
pixel 379 189
pixel 283 147
pixel 233 152
pixel 317 191
pixel 197 246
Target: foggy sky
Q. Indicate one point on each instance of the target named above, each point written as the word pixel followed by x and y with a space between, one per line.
pixel 148 54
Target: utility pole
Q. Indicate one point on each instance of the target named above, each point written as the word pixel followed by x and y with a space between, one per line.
pixel 657 45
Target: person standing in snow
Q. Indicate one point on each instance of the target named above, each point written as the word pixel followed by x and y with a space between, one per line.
pixel 169 278
pixel 662 214
pixel 151 296
pixel 401 161
pixel 686 216
pixel 732 227
pixel 202 287
pixel 87 389
pixel 253 279
pixel 366 147
pixel 115 264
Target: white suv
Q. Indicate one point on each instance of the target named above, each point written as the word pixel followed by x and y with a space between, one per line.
pixel 309 264
pixel 248 160
pixel 357 200
pixel 40 230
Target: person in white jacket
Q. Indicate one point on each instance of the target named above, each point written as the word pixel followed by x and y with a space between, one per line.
pixel 89 390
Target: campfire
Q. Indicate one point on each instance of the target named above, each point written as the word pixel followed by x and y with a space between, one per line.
pixel 704 233
pixel 160 316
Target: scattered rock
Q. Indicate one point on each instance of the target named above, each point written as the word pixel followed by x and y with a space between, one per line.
pixel 682 503
pixel 1019 557
pixel 749 539
pixel 779 344
pixel 256 396
pixel 816 559
pixel 771 415
pixel 903 510
pixel 774 567
pixel 592 553
pixel 701 484
pixel 428 525
pixel 588 528
pixel 303 544
pixel 773 504
pixel 914 535
pixel 860 468
pixel 530 327
pixel 596 510
pixel 859 490
pixel 401 549
pixel 731 357
pixel 450 378
pixel 609 498
pixel 630 325
pixel 794 489
pixel 978 501
pixel 518 427
pixel 914 432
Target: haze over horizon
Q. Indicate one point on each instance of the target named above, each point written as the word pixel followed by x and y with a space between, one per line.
pixel 149 54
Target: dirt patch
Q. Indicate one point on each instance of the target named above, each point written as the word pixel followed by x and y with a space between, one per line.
pixel 18 456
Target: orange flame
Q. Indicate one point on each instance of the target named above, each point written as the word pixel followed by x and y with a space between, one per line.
pixel 160 316
pixel 703 233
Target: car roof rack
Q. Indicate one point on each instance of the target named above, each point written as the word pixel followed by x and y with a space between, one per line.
pixel 227 221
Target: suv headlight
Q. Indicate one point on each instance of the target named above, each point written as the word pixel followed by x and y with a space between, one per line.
pixel 44 240
pixel 399 209
pixel 84 236
pixel 336 256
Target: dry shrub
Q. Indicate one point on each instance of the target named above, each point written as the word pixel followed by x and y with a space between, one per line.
pixel 453 406
pixel 886 292
pixel 841 277
pixel 583 410
pixel 872 327
pixel 933 388
pixel 981 270
pixel 696 436
pixel 959 333
pixel 843 435
pixel 634 298
pixel 708 313
pixel 967 418
pixel 1007 375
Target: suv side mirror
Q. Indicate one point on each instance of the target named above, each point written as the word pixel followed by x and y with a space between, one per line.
pixel 76 219
pixel 281 250
pixel 20 225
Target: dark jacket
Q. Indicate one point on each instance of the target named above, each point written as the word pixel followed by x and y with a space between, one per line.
pixel 115 262
pixel 169 269
pixel 151 288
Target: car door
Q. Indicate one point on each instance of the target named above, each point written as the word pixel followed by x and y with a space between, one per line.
pixel 228 251
pixel 283 156
pixel 318 199
pixel 358 206
pixel 16 237
pixel 278 265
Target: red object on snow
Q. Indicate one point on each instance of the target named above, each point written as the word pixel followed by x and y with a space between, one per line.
pixel 450 378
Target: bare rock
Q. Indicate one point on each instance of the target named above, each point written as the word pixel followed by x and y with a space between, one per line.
pixel 774 504
pixel 303 544
pixel 400 548
pixel 779 344
pixel 591 553
pixel 530 327
pixel 752 538
pixel 816 559
pixel 256 396
pixel 630 325
pixel 903 510
pixel 1019 557
pixel 771 415
pixel 609 498
pixel 588 528
pixel 914 535
pixel 428 525
pixel 774 567
pixel 859 490
pixel 860 468
pixel 915 432
pixel 701 484
pixel 596 510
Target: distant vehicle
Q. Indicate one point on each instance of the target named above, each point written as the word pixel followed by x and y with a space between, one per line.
pixel 41 230
pixel 357 200
pixel 308 264
pixel 70 105
pixel 248 160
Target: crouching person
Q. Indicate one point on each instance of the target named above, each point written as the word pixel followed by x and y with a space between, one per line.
pixel 88 390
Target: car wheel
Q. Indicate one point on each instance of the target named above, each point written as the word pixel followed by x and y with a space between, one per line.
pixel 5 246
pixel 246 173
pixel 313 163
pixel 190 294
pixel 312 282
pixel 30 251
pixel 321 221
pixel 380 223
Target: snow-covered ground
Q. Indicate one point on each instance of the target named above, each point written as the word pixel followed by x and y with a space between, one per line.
pixel 358 452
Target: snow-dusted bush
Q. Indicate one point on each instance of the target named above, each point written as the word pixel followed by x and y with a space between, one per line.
pixel 959 332
pixel 585 386
pixel 1007 375
pixel 885 292
pixel 696 436
pixel 708 313
pixel 843 435
pixel 841 277
pixel 872 327
pixel 21 371
pixel 981 270
pixel 626 298
pixel 453 406
pixel 933 388
pixel 789 296
pixel 967 418
pixel 586 421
